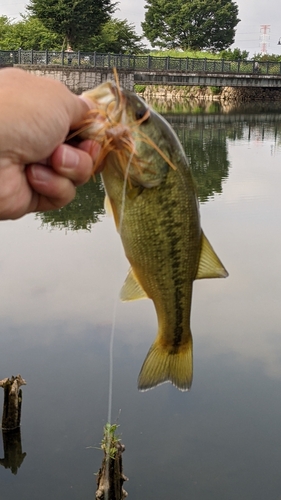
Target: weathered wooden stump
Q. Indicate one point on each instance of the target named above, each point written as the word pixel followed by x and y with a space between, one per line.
pixel 110 476
pixel 13 455
pixel 12 402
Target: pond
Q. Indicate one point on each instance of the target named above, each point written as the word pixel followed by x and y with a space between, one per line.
pixel 60 278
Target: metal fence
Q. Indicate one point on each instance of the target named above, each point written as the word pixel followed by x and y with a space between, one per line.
pixel 137 62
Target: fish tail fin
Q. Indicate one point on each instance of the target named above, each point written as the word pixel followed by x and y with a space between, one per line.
pixel 166 364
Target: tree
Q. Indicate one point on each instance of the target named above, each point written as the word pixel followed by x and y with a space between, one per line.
pixel 5 28
pixel 75 20
pixel 235 54
pixel 191 24
pixel 29 33
pixel 118 37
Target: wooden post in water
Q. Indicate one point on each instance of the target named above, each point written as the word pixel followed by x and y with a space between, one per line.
pixel 110 476
pixel 13 455
pixel 12 402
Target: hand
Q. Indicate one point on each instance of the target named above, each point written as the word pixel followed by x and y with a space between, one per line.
pixel 38 171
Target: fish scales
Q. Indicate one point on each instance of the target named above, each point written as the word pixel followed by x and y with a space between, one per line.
pixel 157 216
pixel 161 236
pixel 160 246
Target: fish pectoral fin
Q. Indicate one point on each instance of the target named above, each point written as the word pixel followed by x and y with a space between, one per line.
pixel 110 209
pixel 134 192
pixel 209 265
pixel 132 290
pixel 107 206
pixel 167 364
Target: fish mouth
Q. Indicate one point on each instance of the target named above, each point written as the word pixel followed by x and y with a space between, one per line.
pixel 118 122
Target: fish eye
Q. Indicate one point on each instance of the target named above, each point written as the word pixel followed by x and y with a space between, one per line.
pixel 140 113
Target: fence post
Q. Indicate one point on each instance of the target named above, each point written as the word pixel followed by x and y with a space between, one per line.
pixel 79 58
pixel 62 57
pixel 167 63
pixel 31 56
pixel 109 60
pixel 267 67
pixel 47 62
pixel 222 65
pixel 238 66
pixel 95 59
pixel 149 62
pixel 19 56
pixel 186 63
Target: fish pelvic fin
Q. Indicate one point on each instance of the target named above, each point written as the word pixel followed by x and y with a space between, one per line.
pixel 209 265
pixel 132 290
pixel 167 364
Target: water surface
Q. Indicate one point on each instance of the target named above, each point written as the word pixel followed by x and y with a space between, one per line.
pixel 59 290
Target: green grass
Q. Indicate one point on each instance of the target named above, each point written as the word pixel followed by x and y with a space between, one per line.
pixel 192 54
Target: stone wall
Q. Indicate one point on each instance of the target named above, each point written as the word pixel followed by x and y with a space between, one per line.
pixel 78 80
pixel 240 94
pixel 250 94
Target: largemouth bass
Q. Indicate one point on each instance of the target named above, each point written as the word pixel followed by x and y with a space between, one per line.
pixel 150 190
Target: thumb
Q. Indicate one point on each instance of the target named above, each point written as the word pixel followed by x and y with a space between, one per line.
pixel 81 107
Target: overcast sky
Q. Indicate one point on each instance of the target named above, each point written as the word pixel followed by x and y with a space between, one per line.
pixel 253 14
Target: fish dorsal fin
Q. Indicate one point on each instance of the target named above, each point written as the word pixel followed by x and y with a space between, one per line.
pixel 131 290
pixel 209 265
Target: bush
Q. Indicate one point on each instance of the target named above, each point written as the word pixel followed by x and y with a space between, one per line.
pixel 139 89
pixel 215 90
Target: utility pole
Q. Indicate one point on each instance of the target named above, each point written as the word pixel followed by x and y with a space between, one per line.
pixel 264 37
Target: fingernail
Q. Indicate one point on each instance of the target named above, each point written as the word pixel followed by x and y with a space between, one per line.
pixel 70 157
pixel 41 174
pixel 86 101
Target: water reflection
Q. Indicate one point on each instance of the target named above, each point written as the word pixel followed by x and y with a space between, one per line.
pixel 224 108
pixel 206 144
pixel 57 296
pixel 84 211
pixel 13 455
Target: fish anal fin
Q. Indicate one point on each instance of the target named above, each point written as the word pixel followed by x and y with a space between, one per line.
pixel 209 265
pixel 132 290
pixel 167 364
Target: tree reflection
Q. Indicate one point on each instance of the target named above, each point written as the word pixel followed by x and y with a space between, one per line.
pixel 82 212
pixel 206 150
pixel 206 144
pixel 205 140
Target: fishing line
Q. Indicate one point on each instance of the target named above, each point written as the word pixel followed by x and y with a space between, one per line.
pixel 112 334
pixel 114 314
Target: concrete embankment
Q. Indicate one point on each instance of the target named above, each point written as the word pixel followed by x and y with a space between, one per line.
pixel 78 80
